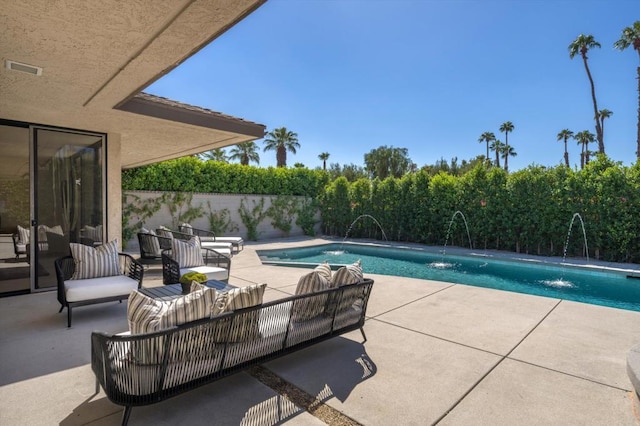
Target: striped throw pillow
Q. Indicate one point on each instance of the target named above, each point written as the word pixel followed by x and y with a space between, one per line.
pixel 187 253
pixel 186 228
pixel 350 274
pixel 165 232
pixel 24 235
pixel 95 262
pixel 324 269
pixel 245 324
pixel 150 245
pixel 312 306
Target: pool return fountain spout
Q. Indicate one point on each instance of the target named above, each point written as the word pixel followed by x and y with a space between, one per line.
pixel 362 216
pixel 584 235
pixel 442 264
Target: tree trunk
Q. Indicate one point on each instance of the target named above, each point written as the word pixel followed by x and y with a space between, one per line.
pixel 566 154
pixel 281 156
pixel 595 107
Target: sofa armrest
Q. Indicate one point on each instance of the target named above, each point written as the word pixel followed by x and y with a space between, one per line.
pixel 131 268
pixel 212 257
pixel 170 268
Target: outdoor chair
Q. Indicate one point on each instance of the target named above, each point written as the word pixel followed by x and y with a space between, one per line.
pixel 210 236
pixel 215 265
pixel 221 247
pixel 19 248
pixel 151 246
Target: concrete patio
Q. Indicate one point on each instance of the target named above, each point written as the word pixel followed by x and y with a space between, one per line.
pixel 437 353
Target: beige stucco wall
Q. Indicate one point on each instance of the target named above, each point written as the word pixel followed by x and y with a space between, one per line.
pixel 219 202
pixel 114 187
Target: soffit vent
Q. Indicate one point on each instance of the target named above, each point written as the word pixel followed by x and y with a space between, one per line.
pixel 17 66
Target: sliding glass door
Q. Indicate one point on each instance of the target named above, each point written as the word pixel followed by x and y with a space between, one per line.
pixel 67 197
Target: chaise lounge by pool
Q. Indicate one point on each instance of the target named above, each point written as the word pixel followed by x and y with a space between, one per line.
pixel 598 286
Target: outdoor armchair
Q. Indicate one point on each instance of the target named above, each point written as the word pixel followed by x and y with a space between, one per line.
pixel 215 266
pixel 151 245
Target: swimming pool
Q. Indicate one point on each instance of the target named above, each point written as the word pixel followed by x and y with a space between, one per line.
pixel 607 288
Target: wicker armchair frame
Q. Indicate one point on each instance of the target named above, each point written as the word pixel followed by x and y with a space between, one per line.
pixel 194 354
pixel 145 241
pixel 65 266
pixel 171 268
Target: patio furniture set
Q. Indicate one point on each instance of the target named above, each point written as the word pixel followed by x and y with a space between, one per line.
pixel 177 342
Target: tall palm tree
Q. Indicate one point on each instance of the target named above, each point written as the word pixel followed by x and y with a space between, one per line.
pixel 245 152
pixel 281 140
pixel 581 45
pixel 497 146
pixel 584 138
pixel 217 154
pixel 324 157
pixel 507 151
pixel 487 137
pixel 604 113
pixel 631 37
pixel 506 127
pixel 565 134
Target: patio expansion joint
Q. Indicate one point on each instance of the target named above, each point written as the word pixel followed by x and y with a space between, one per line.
pixel 500 361
pixel 300 398
pixel 412 301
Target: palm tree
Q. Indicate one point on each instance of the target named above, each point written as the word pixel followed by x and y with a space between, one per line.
pixel 217 154
pixel 324 157
pixel 631 37
pixel 581 45
pixel 565 134
pixel 584 138
pixel 507 151
pixel 497 146
pixel 245 152
pixel 604 113
pixel 487 137
pixel 506 127
pixel 281 140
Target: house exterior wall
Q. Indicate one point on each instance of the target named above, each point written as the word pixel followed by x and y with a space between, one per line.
pixel 114 187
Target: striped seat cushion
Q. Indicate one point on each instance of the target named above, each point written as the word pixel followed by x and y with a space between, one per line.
pixel 187 253
pixel 97 262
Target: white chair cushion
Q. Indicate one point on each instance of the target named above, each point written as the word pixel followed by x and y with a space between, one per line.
pixel 96 288
pixel 212 272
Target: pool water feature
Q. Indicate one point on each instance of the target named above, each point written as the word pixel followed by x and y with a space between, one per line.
pixel 599 287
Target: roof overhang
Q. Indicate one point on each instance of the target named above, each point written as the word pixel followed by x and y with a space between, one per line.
pixel 97 56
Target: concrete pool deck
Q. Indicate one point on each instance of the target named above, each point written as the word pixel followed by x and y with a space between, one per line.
pixel 437 353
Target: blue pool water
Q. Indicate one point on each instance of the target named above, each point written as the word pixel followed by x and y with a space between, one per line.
pixel 608 288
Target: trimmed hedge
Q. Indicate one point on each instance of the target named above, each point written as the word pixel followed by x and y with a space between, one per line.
pixel 189 174
pixel 528 211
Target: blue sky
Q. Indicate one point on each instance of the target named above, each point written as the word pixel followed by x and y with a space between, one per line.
pixel 431 76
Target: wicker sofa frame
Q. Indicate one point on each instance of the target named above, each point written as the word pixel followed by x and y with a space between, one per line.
pixel 200 352
pixel 65 266
pixel 171 268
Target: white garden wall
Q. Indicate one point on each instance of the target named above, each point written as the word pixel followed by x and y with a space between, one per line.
pixel 219 202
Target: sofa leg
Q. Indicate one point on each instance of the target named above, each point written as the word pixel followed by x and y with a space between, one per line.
pixel 125 415
pixel 68 316
pixel 364 336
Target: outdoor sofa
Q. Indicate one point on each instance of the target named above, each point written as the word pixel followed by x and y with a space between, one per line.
pixel 142 369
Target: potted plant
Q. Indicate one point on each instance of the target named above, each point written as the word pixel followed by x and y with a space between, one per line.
pixel 189 277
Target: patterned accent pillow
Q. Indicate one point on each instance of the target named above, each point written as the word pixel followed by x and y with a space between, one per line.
pixel 187 253
pixel 245 325
pixel 24 235
pixel 95 262
pixel 312 306
pixel 187 228
pixel 350 274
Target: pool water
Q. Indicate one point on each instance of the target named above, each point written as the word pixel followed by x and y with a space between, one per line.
pixel 611 289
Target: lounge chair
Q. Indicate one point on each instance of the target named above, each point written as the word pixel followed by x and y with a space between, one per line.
pixel 220 247
pixel 151 246
pixel 209 236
